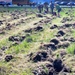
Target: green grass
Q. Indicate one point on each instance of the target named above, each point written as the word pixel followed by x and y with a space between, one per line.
pixel 21 48
pixel 8 67
pixel 71 48
pixel 30 45
pixel 5 43
pixel 27 72
pixel 73 33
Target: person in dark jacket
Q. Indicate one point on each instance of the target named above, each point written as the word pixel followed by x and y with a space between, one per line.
pixel 46 7
pixel 40 7
pixel 52 7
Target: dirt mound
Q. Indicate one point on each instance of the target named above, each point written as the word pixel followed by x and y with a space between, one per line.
pixel 39 15
pixel 53 27
pixel 36 23
pixel 38 28
pixel 64 44
pixel 3 48
pixel 66 13
pixel 71 39
pixel 53 68
pixel 16 17
pixel 56 63
pixel 8 58
pixel 2 32
pixel 62 53
pixel 8 26
pixel 67 69
pixel 68 25
pixel 66 19
pixel 1 22
pixel 43 22
pixel 55 41
pixel 46 69
pixel 28 30
pixel 17 38
pixel 52 46
pixel 39 56
pixel 61 33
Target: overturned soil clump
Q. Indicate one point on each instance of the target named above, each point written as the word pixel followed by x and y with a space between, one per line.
pixel 61 33
pixel 8 58
pixel 54 68
pixel 17 38
pixel 39 56
pixel 53 26
pixel 38 28
pixel 50 45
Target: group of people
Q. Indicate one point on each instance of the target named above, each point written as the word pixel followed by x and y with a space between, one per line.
pixel 46 6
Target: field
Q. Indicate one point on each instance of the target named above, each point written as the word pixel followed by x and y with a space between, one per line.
pixel 30 43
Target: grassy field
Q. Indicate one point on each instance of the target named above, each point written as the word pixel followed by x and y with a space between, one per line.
pixel 20 65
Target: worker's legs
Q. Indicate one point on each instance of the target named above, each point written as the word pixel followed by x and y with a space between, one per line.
pixel 39 10
pixel 51 11
pixel 47 9
pixel 42 9
pixel 59 12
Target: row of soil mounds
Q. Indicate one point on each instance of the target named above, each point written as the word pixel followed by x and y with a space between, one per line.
pixel 45 21
pixel 38 28
pixel 69 18
pixel 30 30
pixel 39 25
pixel 46 55
pixel 49 68
pixel 65 19
pixel 17 39
pixel 54 44
pixel 58 42
pixel 53 66
pixel 16 15
pixel 64 26
pixel 12 16
pixel 21 38
pixel 62 38
pixel 9 26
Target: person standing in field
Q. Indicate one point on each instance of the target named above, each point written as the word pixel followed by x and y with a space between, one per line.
pixel 51 7
pixel 58 8
pixel 40 7
pixel 46 7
